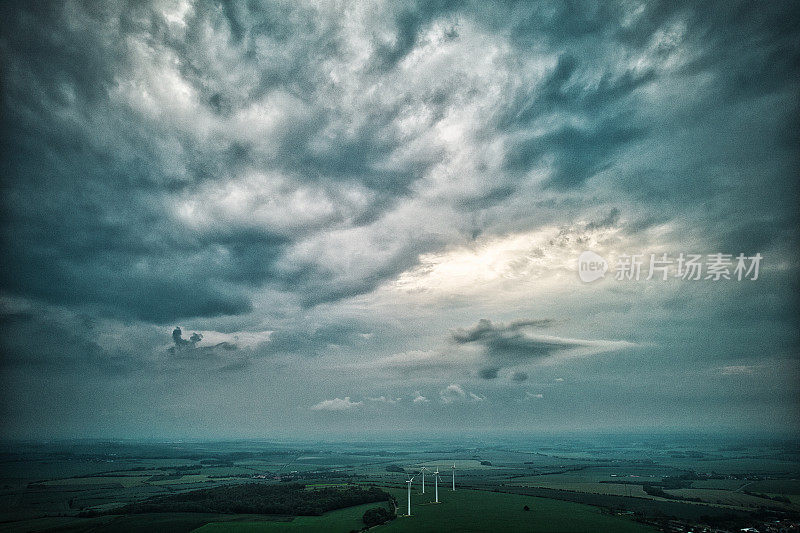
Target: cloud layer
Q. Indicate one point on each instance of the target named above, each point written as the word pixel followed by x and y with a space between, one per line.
pixel 342 201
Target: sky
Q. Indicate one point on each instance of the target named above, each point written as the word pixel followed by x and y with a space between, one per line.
pixel 287 218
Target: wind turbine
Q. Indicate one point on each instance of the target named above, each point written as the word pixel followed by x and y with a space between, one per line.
pixel 436 482
pixel 454 476
pixel 423 469
pixel 409 494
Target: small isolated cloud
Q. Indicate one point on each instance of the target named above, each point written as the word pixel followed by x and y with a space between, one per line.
pixel 419 398
pixel 519 376
pixel 737 370
pixel 455 393
pixel 486 328
pixel 534 396
pixel 336 404
pixel 610 220
pixel 185 346
pixel 384 399
pixel 559 380
pixel 181 343
pixel 514 343
pixel 236 365
pixel 489 373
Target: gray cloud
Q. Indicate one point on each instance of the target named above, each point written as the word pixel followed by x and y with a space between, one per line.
pixel 608 221
pixel 180 342
pixel 455 394
pixel 519 376
pixel 314 341
pixel 513 343
pixel 488 373
pixel 189 347
pixel 336 404
pixel 67 104
pixel 43 342
pixel 485 329
pixel 278 167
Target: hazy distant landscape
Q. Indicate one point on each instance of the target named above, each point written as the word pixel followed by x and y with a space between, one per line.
pixel 568 483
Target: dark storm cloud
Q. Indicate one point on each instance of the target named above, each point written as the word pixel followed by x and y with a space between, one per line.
pixel 128 273
pixel 514 342
pixel 189 347
pixel 577 153
pixel 255 166
pixel 606 222
pixel 87 217
pixel 745 56
pixel 38 343
pixel 313 341
pixel 517 346
pixel 315 283
pixel 89 214
pixel 180 342
pixel 486 329
pixel 488 373
pixel 354 158
pixel 408 21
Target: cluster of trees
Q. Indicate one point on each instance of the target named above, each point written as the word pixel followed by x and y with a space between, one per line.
pixel 192 469
pixel 659 492
pixel 216 462
pixel 395 468
pixel 327 474
pixel 685 479
pixel 376 516
pixel 782 499
pixel 257 498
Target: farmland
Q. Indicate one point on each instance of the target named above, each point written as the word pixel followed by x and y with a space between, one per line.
pixel 466 510
pixel 569 484
pixel 341 520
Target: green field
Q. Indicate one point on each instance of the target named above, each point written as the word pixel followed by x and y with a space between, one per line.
pixel 616 489
pixel 464 511
pixel 468 510
pixel 721 484
pixel 726 497
pixel 775 486
pixel 136 523
pixel 340 520
pixel 125 481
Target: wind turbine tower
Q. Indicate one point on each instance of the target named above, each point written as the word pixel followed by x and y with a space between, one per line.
pixel 436 483
pixel 409 494
pixel 454 476
pixel 423 469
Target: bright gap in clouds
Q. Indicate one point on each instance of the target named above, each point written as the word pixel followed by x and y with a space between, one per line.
pixel 546 256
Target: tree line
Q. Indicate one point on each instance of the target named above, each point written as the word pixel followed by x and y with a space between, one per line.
pixel 258 498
